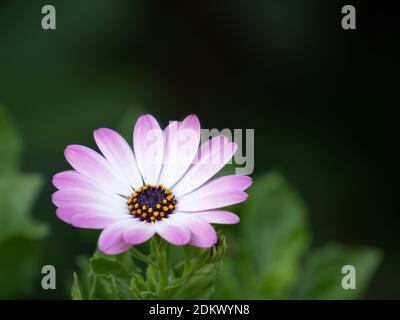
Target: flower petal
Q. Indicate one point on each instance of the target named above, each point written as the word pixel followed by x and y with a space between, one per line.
pixel 181 145
pixel 222 184
pixel 93 221
pixel 212 157
pixel 218 216
pixel 111 239
pixel 207 201
pixel 148 140
pixel 139 232
pixel 173 232
pixel 202 234
pixel 66 212
pixel 119 154
pixel 91 164
pixel 68 197
pixel 72 179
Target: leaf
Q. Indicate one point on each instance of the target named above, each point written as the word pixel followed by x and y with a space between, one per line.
pixel 200 285
pixel 323 276
pixel 10 143
pixel 76 291
pixel 104 266
pixel 110 278
pixel 276 233
pixel 19 233
pixel 138 285
pixel 17 195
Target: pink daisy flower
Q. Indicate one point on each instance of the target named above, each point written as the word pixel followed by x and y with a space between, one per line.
pixel 161 187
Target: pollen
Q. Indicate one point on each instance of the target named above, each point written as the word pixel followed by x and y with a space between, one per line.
pixel 151 203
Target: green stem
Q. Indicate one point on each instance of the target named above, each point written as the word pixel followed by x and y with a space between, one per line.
pixel 141 257
pixel 160 252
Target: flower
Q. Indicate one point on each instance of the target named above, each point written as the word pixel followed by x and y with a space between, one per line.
pixel 161 187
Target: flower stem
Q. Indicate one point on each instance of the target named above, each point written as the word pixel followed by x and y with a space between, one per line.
pixel 160 250
pixel 141 257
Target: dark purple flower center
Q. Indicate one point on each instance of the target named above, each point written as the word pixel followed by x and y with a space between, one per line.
pixel 151 203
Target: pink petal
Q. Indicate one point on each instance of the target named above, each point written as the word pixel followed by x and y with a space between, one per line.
pixel 227 183
pixel 111 239
pixel 172 232
pixel 66 211
pixel 222 184
pixel 212 157
pixel 208 201
pixel 74 180
pixel 70 197
pixel 138 233
pixel 181 145
pixel 218 216
pixel 148 140
pixel 93 221
pixel 119 154
pixel 92 165
pixel 202 234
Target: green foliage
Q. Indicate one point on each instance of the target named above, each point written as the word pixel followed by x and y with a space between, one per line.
pixel 134 275
pixel 322 275
pixel 19 233
pixel 266 260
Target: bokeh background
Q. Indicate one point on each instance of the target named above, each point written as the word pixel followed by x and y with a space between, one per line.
pixel 322 101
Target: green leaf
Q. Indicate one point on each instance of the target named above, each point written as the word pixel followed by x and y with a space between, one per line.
pixel 10 143
pixel 109 277
pixel 17 195
pixel 105 266
pixel 19 233
pixel 276 233
pixel 200 285
pixel 138 286
pixel 76 291
pixel 323 276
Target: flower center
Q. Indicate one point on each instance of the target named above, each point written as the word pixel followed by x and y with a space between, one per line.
pixel 150 203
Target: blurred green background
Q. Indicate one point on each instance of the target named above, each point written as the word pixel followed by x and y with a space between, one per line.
pixel 321 100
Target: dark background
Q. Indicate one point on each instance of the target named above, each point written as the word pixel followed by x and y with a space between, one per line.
pixel 322 99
